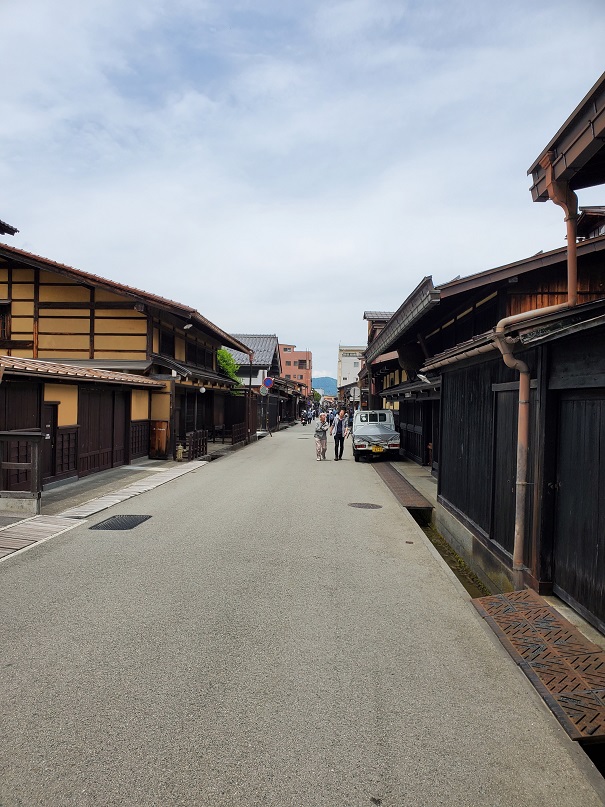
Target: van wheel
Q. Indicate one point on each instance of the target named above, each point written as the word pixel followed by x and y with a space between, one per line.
pixel 356 456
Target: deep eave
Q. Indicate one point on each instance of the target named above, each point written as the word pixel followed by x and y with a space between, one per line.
pixel 578 147
pixel 7 229
pixel 191 371
pixel 426 297
pixel 422 299
pixel 539 261
pixel 411 389
pixel 536 330
pixel 39 368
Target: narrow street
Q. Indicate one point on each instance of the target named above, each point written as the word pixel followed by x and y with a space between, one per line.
pixel 258 641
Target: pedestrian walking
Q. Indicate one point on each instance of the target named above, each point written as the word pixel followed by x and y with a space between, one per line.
pixel 340 430
pixel 321 437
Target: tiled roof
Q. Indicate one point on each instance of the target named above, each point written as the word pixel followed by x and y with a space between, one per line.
pixel 263 345
pixel 117 365
pixel 6 229
pixel 188 370
pixel 39 367
pixel 130 291
pixel 373 315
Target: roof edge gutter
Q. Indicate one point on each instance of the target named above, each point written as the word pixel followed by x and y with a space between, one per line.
pixel 420 300
pixel 74 379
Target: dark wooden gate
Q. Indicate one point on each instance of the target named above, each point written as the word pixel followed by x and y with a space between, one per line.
pixel 19 410
pixel 411 428
pixel 579 539
pixel 49 444
pixel 192 411
pixel 104 433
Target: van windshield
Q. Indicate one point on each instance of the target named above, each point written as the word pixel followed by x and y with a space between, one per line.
pixel 372 417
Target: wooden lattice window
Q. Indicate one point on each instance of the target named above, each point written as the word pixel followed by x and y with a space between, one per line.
pixel 167 343
pixel 4 321
pixel 199 355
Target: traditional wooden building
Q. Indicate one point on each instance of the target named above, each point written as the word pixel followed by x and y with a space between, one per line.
pixel 91 419
pixel 458 410
pixel 512 363
pixel 382 371
pixel 53 312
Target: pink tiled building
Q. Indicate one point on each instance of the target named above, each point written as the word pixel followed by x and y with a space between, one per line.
pixel 297 365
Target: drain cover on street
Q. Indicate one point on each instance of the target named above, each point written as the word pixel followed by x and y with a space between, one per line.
pixel 566 668
pixel 365 506
pixel 120 523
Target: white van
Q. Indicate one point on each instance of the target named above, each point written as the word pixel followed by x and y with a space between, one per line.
pixel 374 433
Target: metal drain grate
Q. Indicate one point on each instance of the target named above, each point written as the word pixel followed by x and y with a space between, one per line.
pixel 120 523
pixel 565 667
pixel 365 506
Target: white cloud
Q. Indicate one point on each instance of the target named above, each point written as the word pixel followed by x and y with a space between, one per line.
pixel 252 158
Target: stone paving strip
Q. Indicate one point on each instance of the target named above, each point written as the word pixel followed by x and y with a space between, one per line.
pixel 32 531
pixel 149 483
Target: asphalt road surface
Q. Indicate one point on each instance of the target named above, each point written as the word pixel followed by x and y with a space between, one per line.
pixel 260 642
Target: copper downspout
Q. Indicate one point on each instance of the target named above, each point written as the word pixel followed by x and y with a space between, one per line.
pixel 561 194
pixel 370 380
pixel 249 396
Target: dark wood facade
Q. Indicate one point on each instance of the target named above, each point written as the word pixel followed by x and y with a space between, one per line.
pixel 99 441
pixel 478 449
pixel 565 499
pixel 20 410
pixel 104 429
pixel 475 435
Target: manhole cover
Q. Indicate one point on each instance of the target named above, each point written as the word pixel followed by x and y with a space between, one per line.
pixel 120 523
pixel 365 506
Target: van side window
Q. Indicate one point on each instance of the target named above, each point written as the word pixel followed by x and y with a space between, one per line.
pixel 363 418
pixel 382 417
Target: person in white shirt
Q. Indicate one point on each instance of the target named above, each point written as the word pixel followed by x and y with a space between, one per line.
pixel 340 430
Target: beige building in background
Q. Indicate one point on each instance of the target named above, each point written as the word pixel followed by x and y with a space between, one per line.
pixel 349 364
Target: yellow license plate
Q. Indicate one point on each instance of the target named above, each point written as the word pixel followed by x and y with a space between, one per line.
pixel 377 449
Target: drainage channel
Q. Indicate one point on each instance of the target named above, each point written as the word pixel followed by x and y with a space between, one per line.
pixel 421 510
pixel 465 575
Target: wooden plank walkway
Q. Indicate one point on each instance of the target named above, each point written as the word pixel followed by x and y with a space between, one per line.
pixel 405 493
pixel 565 667
pixel 32 531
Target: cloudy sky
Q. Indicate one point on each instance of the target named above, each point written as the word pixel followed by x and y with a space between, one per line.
pixel 284 166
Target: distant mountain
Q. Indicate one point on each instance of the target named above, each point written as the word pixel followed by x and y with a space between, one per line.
pixel 327 384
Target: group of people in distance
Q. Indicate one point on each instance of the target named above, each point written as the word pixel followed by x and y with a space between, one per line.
pixel 337 427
